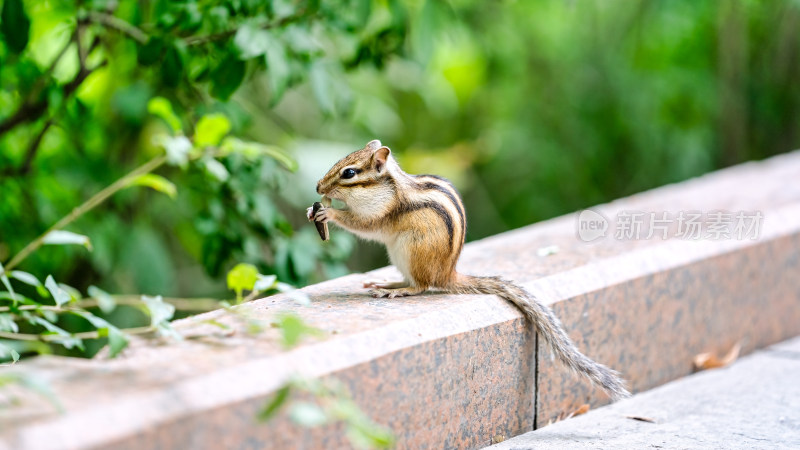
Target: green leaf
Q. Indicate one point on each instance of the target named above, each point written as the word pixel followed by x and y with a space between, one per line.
pixel 73 293
pixel 177 148
pixel 301 40
pixel 265 282
pixel 6 351
pixel 7 323
pixel 242 276
pixel 282 8
pixel 227 76
pixel 216 169
pixel 307 414
pixel 64 338
pixel 210 130
pixel 329 86
pixel 117 341
pixel 159 310
pixel 60 296
pixel 369 435
pixel 15 25
pixel 29 279
pixel 7 284
pixel 105 301
pixel 251 41
pixel 293 329
pixel 278 70
pixel 172 66
pixel 61 237
pixel 253 150
pixel 156 182
pixel 160 314
pixel 25 277
pixel 162 108
pixel 322 86
pixel 275 404
pixel 17 298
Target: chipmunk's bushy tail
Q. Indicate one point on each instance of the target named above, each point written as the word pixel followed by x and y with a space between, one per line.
pixel 548 326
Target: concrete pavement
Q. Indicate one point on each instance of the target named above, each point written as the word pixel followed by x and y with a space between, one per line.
pixel 753 404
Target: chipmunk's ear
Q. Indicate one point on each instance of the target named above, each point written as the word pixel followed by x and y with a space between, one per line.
pixel 379 158
pixel 374 145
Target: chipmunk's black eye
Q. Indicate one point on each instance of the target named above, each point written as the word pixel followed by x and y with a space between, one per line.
pixel 348 173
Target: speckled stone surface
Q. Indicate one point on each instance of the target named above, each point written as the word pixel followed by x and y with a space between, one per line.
pixel 650 328
pixel 751 404
pixel 446 371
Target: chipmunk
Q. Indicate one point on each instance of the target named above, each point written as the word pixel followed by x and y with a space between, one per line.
pixel 421 221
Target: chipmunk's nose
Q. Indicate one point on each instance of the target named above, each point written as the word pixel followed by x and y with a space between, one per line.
pixel 319 187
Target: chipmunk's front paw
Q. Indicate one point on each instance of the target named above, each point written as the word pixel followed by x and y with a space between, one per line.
pixel 322 215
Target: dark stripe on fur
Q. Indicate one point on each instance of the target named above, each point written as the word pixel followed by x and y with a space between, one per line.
pixel 438 208
pixel 445 191
pixel 365 183
pixel 453 199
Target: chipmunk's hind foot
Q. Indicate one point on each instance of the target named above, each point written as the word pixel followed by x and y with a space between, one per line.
pixel 399 292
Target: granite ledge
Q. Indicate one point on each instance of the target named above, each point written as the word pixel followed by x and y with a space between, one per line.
pixel 453 371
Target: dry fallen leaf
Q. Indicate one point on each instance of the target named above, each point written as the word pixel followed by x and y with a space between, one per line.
pixel 582 410
pixel 564 416
pixel 498 438
pixel 705 361
pixel 642 419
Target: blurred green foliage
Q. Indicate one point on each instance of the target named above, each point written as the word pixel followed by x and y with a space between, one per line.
pixel 536 109
pixel 77 79
pixel 533 109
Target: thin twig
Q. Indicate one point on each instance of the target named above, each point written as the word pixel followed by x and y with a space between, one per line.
pixel 87 206
pixel 183 304
pixel 107 20
pixel 82 335
pixel 41 307
pixel 82 52
pixel 25 113
pixel 30 153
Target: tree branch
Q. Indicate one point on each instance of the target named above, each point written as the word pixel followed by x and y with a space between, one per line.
pixel 82 335
pixel 113 22
pixel 31 110
pixel 25 113
pixel 200 40
pixel 182 304
pixel 30 154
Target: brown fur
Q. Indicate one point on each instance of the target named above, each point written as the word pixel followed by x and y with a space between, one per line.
pixel 421 221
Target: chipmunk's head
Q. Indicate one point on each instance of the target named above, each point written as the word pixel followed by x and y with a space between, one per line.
pixel 360 177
